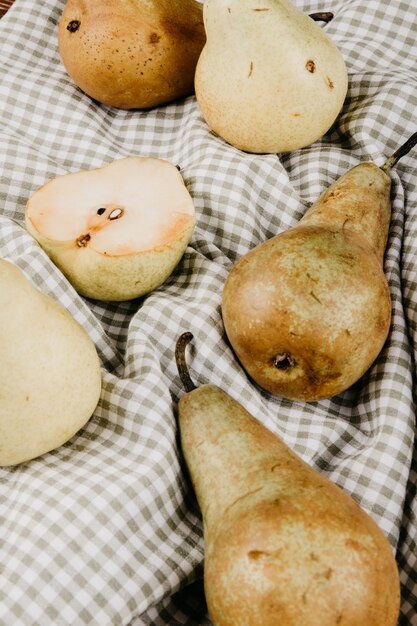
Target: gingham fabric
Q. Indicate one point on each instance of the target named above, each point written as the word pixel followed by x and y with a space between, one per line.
pixel 105 530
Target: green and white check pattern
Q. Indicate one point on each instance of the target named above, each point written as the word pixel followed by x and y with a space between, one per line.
pixel 105 531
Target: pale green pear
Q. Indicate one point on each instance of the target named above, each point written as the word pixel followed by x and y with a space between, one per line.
pixel 50 372
pixel 269 79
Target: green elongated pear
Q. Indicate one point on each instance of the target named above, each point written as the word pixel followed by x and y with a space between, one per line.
pixel 308 311
pixel 50 378
pixel 284 546
pixel 268 79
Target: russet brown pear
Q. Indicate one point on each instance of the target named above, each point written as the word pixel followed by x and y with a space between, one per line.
pixel 132 53
pixel 308 311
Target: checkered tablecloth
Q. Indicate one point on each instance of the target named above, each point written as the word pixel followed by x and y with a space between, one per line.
pixel 105 531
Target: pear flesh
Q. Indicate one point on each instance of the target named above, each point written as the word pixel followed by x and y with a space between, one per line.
pixel 268 79
pixel 51 381
pixel 308 311
pixel 132 54
pixel 116 232
pixel 283 544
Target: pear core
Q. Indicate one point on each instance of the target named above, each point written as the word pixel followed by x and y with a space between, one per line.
pixel 116 232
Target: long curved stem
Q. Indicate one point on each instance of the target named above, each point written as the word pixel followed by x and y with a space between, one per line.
pixel 399 153
pixel 182 343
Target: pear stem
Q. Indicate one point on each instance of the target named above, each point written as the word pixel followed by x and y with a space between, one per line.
pixel 182 343
pixel 399 153
pixel 322 16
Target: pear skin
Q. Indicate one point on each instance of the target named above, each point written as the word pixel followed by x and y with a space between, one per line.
pixel 51 380
pixel 132 54
pixel 268 79
pixel 308 311
pixel 283 544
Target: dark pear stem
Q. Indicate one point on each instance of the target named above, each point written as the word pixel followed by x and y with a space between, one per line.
pixel 399 153
pixel 182 343
pixel 322 16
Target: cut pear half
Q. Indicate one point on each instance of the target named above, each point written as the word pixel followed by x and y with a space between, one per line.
pixel 116 232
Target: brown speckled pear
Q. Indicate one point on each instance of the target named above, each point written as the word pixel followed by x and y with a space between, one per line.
pixel 308 311
pixel 269 79
pixel 283 544
pixel 50 377
pixel 116 232
pixel 132 53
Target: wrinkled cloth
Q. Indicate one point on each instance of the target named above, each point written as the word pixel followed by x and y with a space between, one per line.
pixel 105 530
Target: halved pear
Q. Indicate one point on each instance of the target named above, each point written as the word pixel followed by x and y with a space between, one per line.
pixel 116 232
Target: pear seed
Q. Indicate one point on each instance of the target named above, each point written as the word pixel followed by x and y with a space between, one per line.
pixel 101 210
pixel 115 214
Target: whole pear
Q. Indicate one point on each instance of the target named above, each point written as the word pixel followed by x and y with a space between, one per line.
pixel 116 232
pixel 132 53
pixel 268 79
pixel 308 311
pixel 50 380
pixel 283 544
